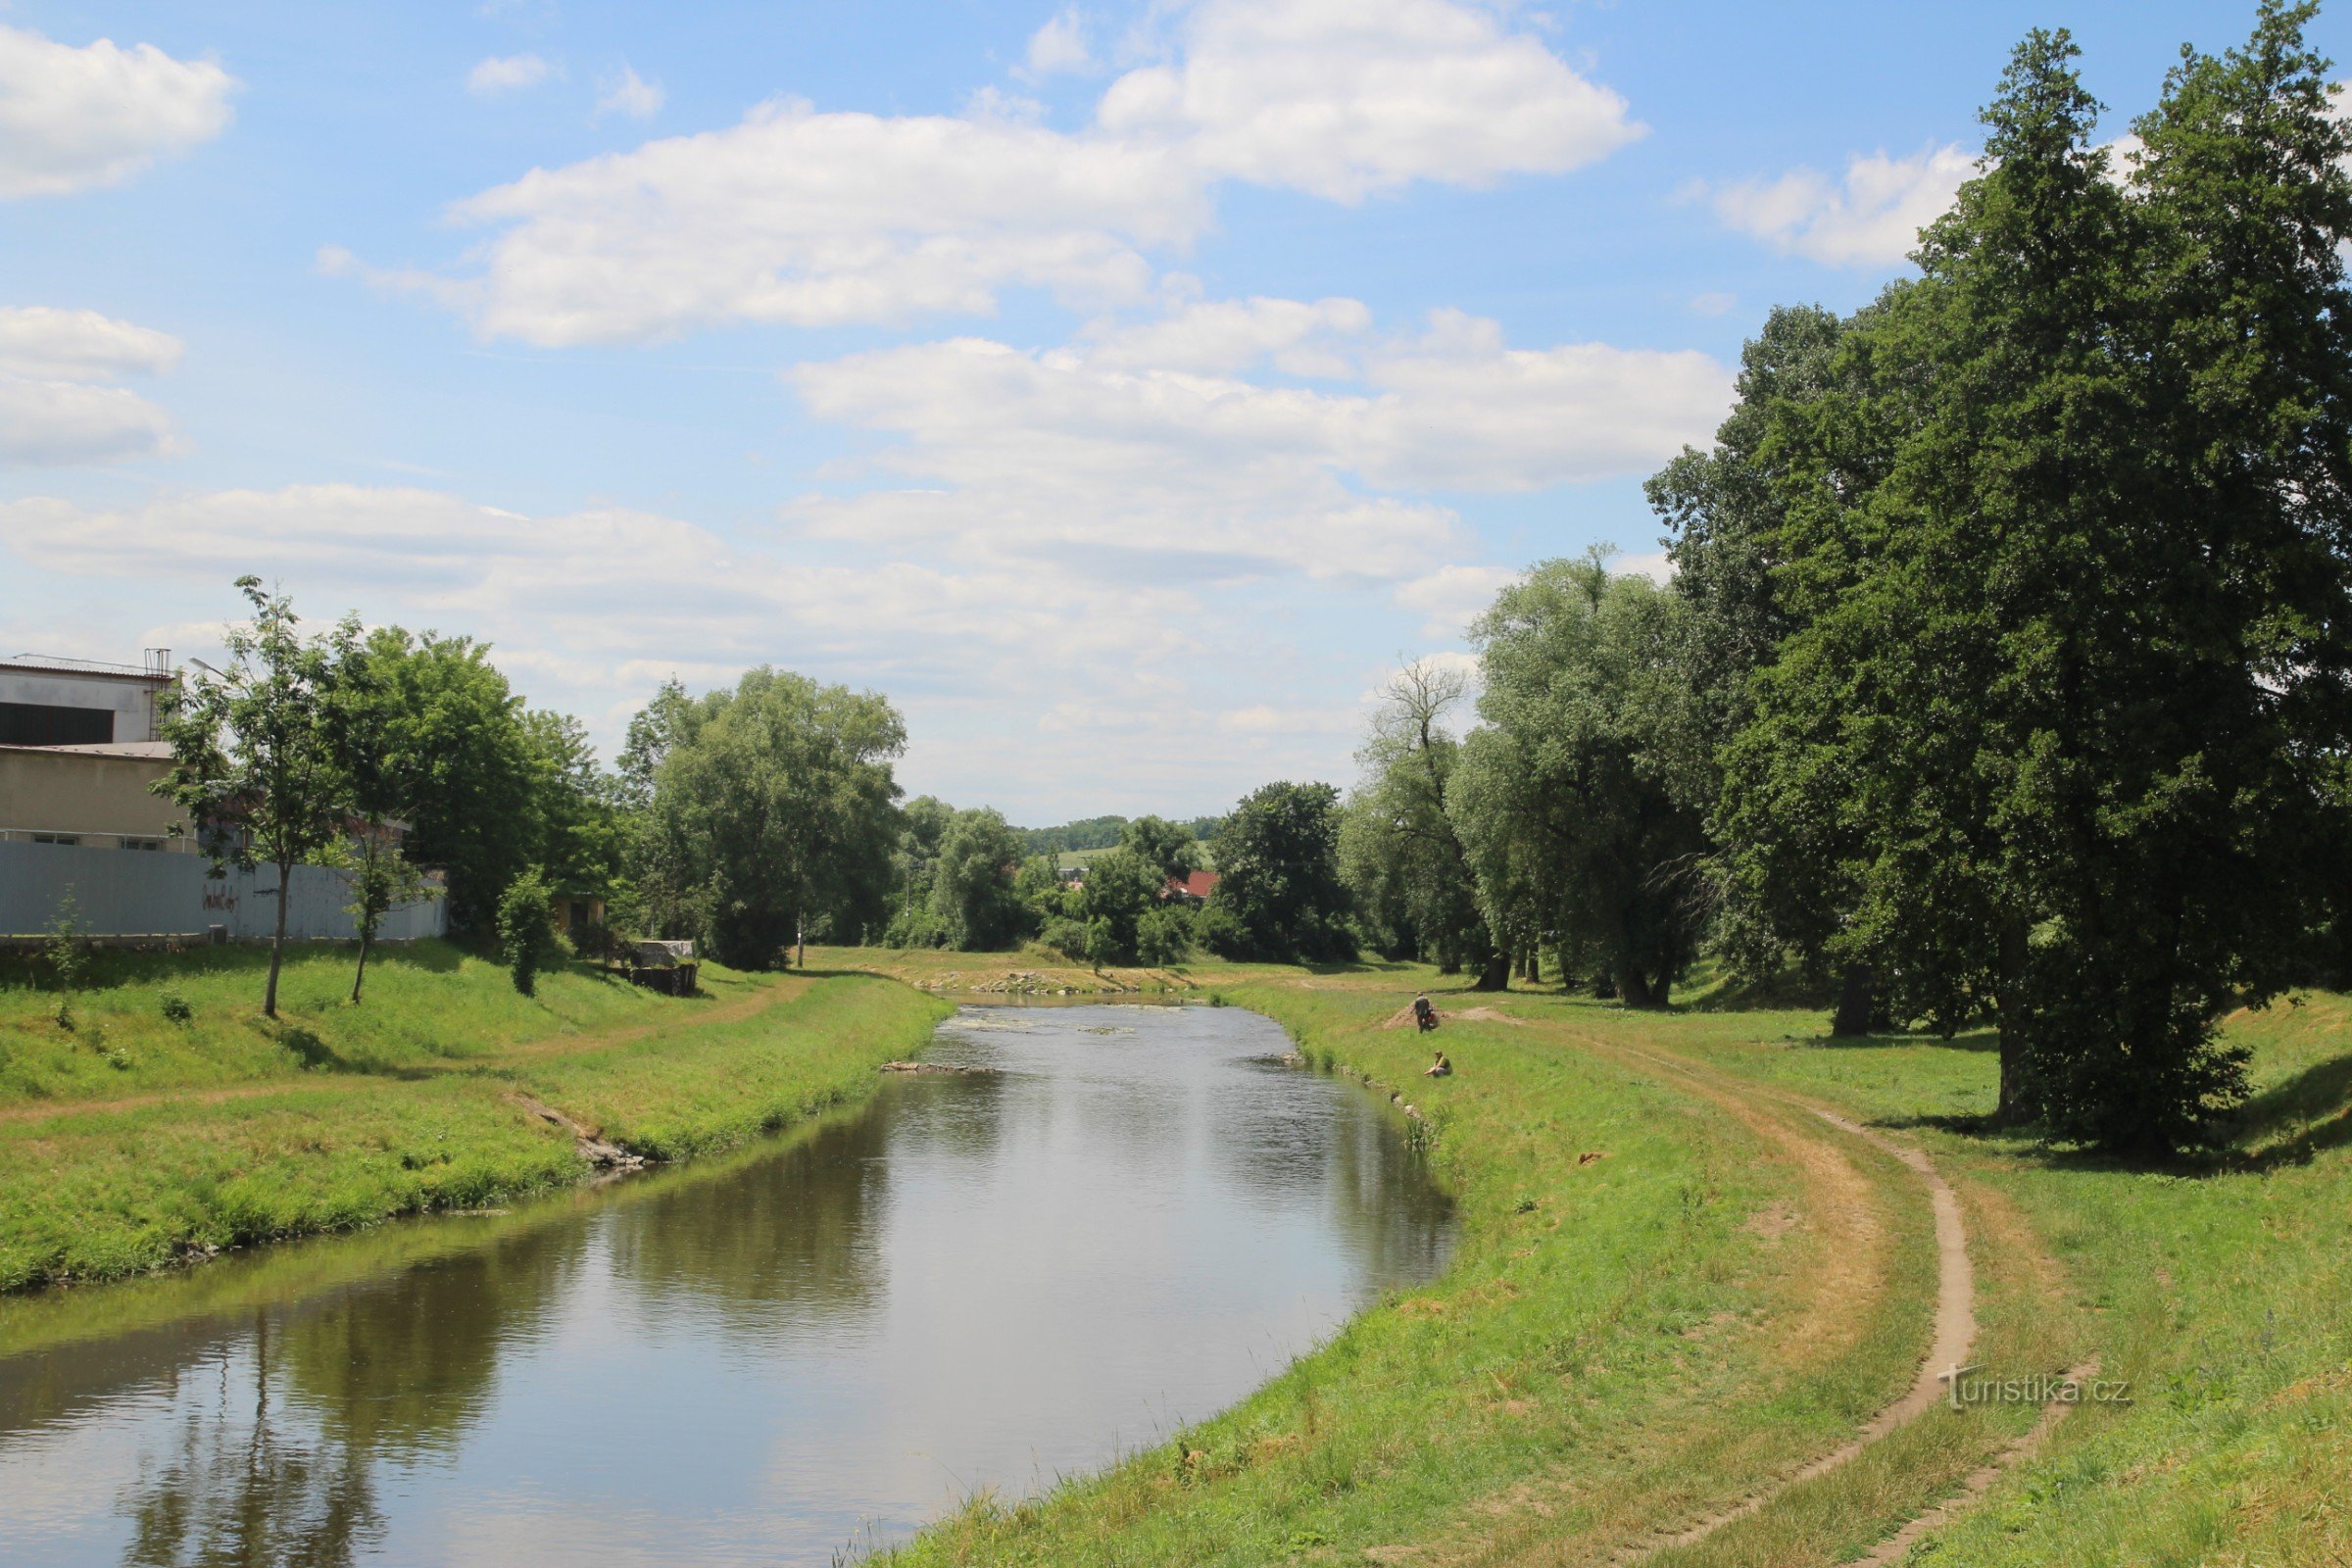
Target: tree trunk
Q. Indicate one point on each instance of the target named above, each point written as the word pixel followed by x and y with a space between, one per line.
pixel 799 932
pixel 1530 967
pixel 278 943
pixel 2009 1007
pixel 1857 1000
pixel 1496 973
pixel 366 935
pixel 1633 986
pixel 1661 990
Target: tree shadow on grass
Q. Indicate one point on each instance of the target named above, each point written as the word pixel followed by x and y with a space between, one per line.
pixel 2316 1104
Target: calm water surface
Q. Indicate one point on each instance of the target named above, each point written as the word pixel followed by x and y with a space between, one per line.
pixel 973 1281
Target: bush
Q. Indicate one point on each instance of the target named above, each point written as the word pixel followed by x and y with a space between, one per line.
pixel 1072 939
pixel 68 955
pixel 1164 936
pixel 176 1007
pixel 1217 930
pixel 526 929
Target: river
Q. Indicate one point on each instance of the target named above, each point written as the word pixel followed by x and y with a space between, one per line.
pixel 973 1281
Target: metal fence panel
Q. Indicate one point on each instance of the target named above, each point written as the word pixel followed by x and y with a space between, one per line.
pixel 139 893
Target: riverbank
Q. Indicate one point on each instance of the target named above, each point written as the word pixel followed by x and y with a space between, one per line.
pixel 1689 1318
pixel 136 1139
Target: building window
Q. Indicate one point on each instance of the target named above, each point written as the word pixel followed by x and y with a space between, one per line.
pixel 142 844
pixel 47 724
pixel 57 838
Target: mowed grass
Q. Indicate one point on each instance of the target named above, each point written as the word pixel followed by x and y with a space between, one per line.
pixel 223 1132
pixel 1619 1350
pixel 424 1005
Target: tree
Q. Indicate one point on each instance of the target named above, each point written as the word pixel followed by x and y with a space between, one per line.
pixel 1278 871
pixel 1399 853
pixel 972 884
pixel 1582 802
pixel 1791 441
pixel 772 814
pixel 1163 843
pixel 463 765
pixel 255 762
pixel 526 929
pixel 1121 888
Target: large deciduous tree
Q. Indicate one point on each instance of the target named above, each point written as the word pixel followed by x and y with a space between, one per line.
pixel 772 814
pixel 1582 801
pixel 1278 891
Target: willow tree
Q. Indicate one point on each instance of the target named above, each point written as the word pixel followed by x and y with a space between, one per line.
pixel 772 813
pixel 1582 801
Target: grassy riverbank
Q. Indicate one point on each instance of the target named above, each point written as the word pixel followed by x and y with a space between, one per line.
pixel 134 1138
pixel 1678 1285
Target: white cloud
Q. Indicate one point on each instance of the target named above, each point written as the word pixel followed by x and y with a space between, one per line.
pixel 632 95
pixel 61 423
pixel 43 343
pixel 498 76
pixel 1150 442
pixel 1058 46
pixel 1452 596
pixel 1714 302
pixel 1872 219
pixel 52 415
pixel 72 118
pixel 1300 337
pixel 813 218
pixel 1344 98
pixel 1656 565
pixel 808 217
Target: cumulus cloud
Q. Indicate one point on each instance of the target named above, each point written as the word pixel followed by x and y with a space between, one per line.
pixel 43 343
pixel 632 95
pixel 72 118
pixel 61 423
pixel 1870 219
pixel 1176 456
pixel 55 410
pixel 1344 98
pixel 498 76
pixel 1300 337
pixel 812 220
pixel 1058 46
pixel 808 217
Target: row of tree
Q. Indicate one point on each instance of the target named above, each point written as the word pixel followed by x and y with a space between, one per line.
pixel 2006 673
pixel 385 753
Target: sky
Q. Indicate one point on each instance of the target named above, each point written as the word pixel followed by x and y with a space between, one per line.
pixel 1123 390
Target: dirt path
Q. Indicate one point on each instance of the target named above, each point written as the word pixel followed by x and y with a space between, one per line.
pixel 1953 1336
pixel 559 1045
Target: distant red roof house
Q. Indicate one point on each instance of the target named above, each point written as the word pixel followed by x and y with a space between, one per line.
pixel 1192 887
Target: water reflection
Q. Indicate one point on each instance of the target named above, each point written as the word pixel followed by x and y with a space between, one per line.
pixel 983 1280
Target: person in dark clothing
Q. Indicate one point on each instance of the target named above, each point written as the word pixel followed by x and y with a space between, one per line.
pixel 1424 1015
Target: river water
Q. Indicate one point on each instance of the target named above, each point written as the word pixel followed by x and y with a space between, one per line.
pixel 970 1281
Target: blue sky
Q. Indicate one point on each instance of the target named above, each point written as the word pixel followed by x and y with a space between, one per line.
pixel 1122 389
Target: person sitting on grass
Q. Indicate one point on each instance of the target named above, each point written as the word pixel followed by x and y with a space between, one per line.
pixel 1439 1068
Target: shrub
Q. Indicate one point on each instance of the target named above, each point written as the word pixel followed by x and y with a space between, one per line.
pixel 68 953
pixel 526 929
pixel 1221 932
pixel 1067 937
pixel 175 1006
pixel 1164 936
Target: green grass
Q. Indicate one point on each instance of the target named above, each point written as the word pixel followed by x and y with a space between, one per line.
pixel 230 1130
pixel 1615 1348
